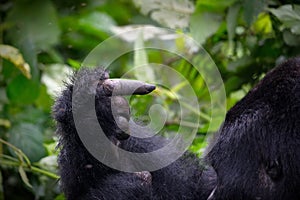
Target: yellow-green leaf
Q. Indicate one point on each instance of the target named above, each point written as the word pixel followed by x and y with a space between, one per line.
pixel 5 123
pixel 24 176
pixel 263 24
pixel 13 55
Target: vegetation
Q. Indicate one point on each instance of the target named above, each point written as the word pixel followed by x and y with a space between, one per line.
pixel 42 41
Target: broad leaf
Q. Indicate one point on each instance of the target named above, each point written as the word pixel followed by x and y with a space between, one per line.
pixel 13 55
pixel 290 17
pixel 36 22
pixel 29 139
pixel 170 13
pixel 35 29
pixel 203 25
pixel 22 91
pixel 44 101
pixel 263 24
pixel 96 23
pixel 290 38
pixel 252 8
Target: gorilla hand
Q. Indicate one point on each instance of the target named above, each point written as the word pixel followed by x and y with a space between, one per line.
pixel 90 90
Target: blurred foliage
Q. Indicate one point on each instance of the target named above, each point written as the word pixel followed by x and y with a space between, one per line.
pixel 41 42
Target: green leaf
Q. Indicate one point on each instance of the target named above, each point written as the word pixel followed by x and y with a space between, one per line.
pixel 96 23
pixel 13 55
pixel 35 21
pixel 74 63
pixel 31 115
pixel 139 104
pixel 24 176
pixel 22 91
pixel 77 40
pixel 35 29
pixel 232 84
pixel 199 144
pixel 204 24
pixel 44 101
pixel 60 197
pixel 241 62
pixel 140 56
pixel 290 17
pixel 263 24
pixel 234 97
pixel 118 11
pixel 231 19
pixel 170 13
pixel 252 8
pixel 5 123
pixel 286 13
pixel 214 5
pixel 29 139
pixel 142 68
pixel 290 38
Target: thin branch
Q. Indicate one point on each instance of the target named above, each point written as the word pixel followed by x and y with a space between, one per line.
pixel 30 169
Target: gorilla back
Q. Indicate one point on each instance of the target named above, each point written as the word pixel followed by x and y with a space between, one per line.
pixel 257 154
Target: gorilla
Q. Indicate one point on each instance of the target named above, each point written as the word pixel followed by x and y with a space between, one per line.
pixel 255 155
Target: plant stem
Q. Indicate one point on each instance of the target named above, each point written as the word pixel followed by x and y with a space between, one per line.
pixel 31 168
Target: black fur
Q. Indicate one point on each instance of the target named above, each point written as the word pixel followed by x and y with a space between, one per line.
pixel 255 156
pixel 84 177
